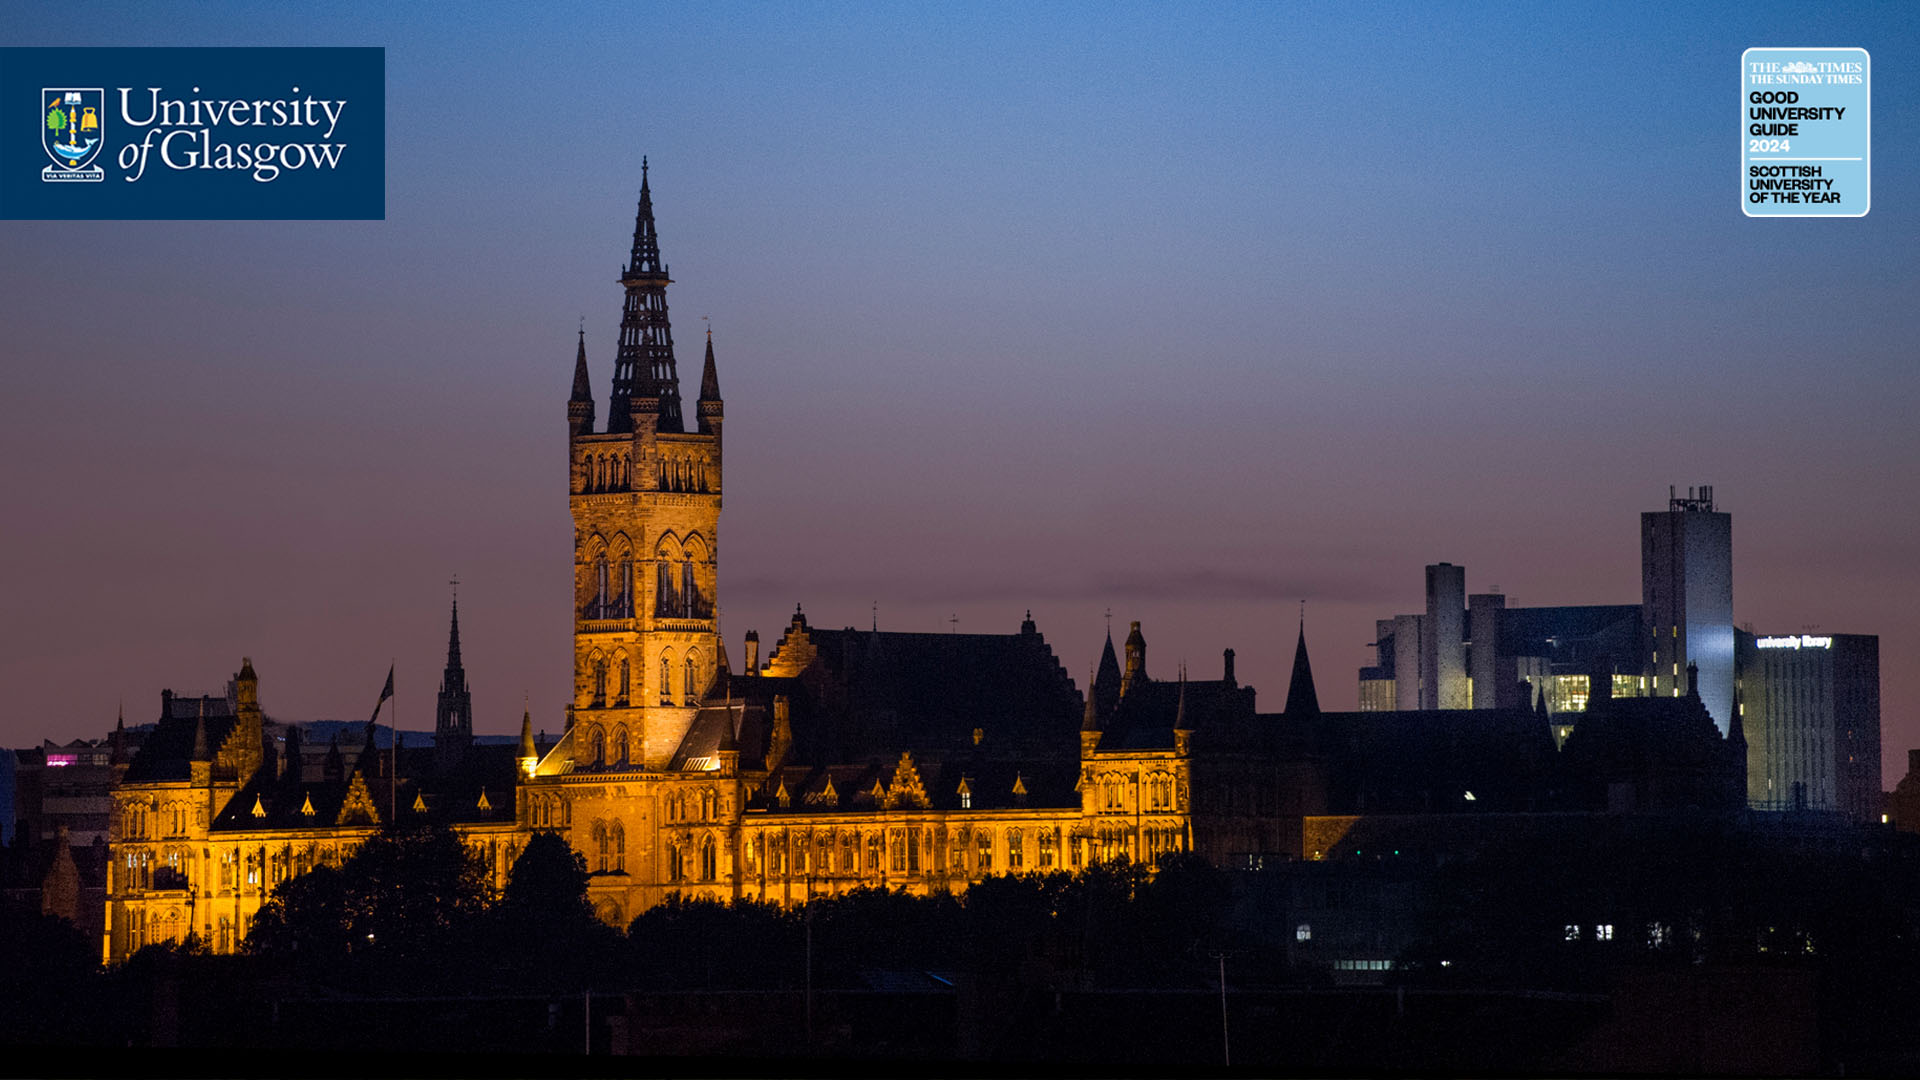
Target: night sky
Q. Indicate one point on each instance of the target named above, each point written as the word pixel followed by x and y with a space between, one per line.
pixel 1190 313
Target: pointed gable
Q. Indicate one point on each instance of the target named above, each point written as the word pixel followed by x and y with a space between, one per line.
pixel 357 808
pixel 906 789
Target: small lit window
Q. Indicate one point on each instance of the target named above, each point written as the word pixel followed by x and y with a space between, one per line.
pixel 1573 932
pixel 1603 932
pixel 1303 932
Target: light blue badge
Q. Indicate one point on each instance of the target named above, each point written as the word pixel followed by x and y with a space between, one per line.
pixel 1806 123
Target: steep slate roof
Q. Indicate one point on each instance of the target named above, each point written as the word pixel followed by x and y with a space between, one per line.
pixel 450 796
pixel 1427 759
pixel 990 780
pixel 1215 709
pixel 167 751
pixel 869 693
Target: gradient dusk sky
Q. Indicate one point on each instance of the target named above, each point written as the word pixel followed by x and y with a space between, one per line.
pixel 1190 312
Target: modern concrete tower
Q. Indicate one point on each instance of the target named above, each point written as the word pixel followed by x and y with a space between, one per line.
pixel 1443 651
pixel 1491 678
pixel 1686 572
pixel 1409 665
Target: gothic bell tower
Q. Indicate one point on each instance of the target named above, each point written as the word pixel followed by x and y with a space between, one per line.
pixel 645 495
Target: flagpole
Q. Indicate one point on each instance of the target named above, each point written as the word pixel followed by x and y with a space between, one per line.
pixel 393 752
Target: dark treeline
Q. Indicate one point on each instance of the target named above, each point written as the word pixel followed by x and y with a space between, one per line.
pixel 1820 938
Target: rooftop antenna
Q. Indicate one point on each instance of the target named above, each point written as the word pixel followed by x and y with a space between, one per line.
pixel 876 616
pixel 1109 622
pixel 953 623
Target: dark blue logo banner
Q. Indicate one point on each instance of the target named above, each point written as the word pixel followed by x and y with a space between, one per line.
pixel 193 133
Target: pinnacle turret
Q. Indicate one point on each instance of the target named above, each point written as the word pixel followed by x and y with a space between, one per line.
pixel 710 406
pixel 580 403
pixel 709 378
pixel 644 376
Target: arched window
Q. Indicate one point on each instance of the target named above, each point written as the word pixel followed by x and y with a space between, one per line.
pixel 1016 851
pixel 686 683
pixel 666 678
pixel 983 842
pixel 617 840
pixel 666 602
pixel 617 744
pixel 625 586
pixel 596 746
pixel 689 596
pixel 708 803
pixel 602 845
pixel 823 860
pixel 849 854
pixel 676 861
pixel 601 598
pixel 875 853
pixel 626 680
pixel 600 680
pixel 709 860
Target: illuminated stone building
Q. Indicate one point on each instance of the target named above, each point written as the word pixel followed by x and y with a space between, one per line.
pixel 220 805
pixel 842 758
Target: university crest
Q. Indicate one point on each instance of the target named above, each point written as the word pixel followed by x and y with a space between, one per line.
pixel 72 131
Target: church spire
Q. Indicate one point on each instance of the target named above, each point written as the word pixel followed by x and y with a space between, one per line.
pixel 644 375
pixel 453 715
pixel 455 670
pixel 1301 699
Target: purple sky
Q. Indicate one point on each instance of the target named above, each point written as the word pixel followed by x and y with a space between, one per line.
pixel 1076 308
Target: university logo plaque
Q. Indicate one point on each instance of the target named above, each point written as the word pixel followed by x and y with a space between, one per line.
pixel 72 130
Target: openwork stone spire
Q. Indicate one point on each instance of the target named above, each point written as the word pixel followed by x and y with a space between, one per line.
pixel 644 375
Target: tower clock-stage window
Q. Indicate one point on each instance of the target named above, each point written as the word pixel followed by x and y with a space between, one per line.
pixel 666 600
pixel 600 681
pixel 603 845
pixel 596 746
pixel 688 593
pixel 626 680
pixel 601 599
pixel 617 744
